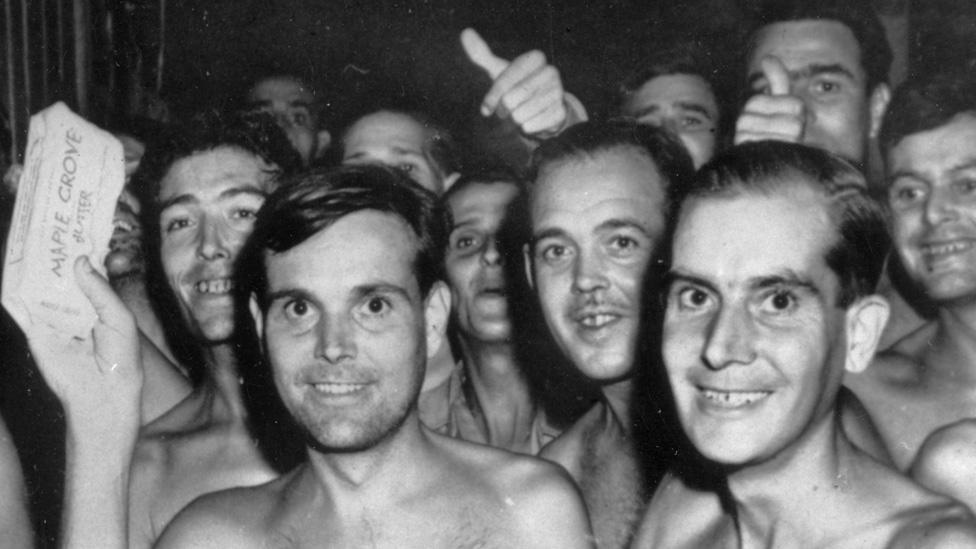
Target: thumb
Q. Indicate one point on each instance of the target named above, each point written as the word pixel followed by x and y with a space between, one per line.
pixel 480 54
pixel 776 75
pixel 107 304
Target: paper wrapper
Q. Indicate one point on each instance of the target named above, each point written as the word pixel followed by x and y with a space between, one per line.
pixel 73 175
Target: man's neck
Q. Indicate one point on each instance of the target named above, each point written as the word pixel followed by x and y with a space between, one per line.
pixel 496 386
pixel 784 489
pixel 952 351
pixel 223 380
pixel 617 396
pixel 374 472
pixel 439 367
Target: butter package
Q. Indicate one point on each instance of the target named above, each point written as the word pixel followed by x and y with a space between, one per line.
pixel 73 175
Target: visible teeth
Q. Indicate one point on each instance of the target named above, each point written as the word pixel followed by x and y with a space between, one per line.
pixel 122 224
pixel 337 388
pixel 218 286
pixel 595 321
pixel 950 248
pixel 733 399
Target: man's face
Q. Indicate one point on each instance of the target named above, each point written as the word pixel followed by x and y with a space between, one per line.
pixel 753 340
pixel 475 265
pixel 394 140
pixel 932 198
pixel 345 329
pixel 682 103
pixel 208 203
pixel 824 63
pixel 291 105
pixel 596 222
pixel 125 255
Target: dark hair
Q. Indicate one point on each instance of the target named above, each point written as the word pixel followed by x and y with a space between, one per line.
pixel 856 15
pixel 316 108
pixel 589 139
pixel 769 167
pixel 483 175
pixel 684 58
pixel 255 133
pixel 925 103
pixel 439 144
pixel 311 202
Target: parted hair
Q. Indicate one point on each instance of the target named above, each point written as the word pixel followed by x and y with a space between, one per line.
pixel 925 103
pixel 766 168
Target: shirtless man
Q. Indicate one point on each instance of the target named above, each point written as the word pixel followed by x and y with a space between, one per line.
pixel 928 379
pixel 346 267
pixel 769 300
pixel 674 89
pixel 206 183
pixel 494 404
pixel 597 209
pixel 296 109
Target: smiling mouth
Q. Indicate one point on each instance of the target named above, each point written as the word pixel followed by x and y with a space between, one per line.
pixel 214 286
pixel 122 225
pixel 733 399
pixel 935 250
pixel 596 321
pixel 338 389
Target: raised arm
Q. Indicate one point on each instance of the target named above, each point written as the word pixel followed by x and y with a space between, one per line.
pixel 98 382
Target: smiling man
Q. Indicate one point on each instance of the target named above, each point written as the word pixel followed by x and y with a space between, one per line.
pixel 345 282
pixel 926 382
pixel 206 182
pixel 597 209
pixel 770 300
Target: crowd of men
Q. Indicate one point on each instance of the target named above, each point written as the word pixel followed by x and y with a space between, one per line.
pixel 360 338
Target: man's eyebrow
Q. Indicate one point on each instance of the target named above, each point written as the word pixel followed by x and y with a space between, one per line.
pixel 677 275
pixel 965 165
pixel 788 279
pixel 549 232
pixel 650 109
pixel 695 107
pixel 371 288
pixel 187 198
pixel 814 69
pixel 902 173
pixel 623 223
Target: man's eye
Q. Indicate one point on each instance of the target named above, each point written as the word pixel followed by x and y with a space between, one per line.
pixel 300 119
pixel 965 186
pixel 407 168
pixel 902 196
pixel 245 213
pixel 690 298
pixel 177 224
pixel 554 253
pixel 692 122
pixel 780 301
pixel 823 87
pixel 297 309
pixel 624 243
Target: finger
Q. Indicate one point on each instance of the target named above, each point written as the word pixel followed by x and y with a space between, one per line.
pixel 547 123
pixel 522 68
pixel 756 128
pixel 480 54
pixel 776 75
pixel 108 306
pixel 543 83
pixel 774 105
pixel 549 104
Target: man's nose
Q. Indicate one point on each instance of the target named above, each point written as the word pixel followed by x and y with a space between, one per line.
pixel 940 206
pixel 589 273
pixel 214 242
pixel 490 254
pixel 730 340
pixel 335 342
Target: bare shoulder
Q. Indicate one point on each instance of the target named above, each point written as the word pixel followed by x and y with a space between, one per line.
pixel 236 517
pixel 679 516
pixel 542 502
pixel 944 525
pixel 946 462
pixel 567 448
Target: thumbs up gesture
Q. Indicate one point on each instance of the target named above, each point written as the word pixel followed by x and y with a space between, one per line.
pixel 527 89
pixel 775 114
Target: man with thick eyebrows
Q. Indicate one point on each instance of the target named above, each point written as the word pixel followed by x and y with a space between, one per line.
pixel 597 211
pixel 344 270
pixel 769 301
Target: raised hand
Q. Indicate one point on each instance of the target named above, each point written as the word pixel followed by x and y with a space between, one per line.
pixel 775 114
pixel 527 90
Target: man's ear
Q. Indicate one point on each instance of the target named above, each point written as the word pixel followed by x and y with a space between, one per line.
pixel 527 261
pixel 450 180
pixel 865 321
pixel 322 141
pixel 437 309
pixel 258 317
pixel 878 106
